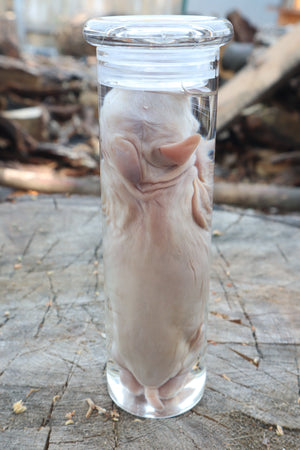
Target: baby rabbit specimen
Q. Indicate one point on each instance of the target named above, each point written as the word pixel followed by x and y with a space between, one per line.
pixel 156 200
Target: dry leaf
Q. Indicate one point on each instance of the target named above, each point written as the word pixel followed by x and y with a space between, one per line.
pixel 217 233
pixel 69 415
pixel 226 377
pixel 18 407
pixel 220 315
pixel 69 422
pixel 55 398
pixel 33 390
pixel 93 407
pixel 114 415
pixel 17 266
pixel 279 430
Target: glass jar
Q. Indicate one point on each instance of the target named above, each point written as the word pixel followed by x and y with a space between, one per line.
pixel 158 78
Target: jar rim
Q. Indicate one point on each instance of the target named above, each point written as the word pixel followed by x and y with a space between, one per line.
pixel 158 31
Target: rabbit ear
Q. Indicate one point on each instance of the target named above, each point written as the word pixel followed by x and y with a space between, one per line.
pixel 180 152
pixel 125 158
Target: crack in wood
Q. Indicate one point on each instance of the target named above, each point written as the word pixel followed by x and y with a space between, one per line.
pixel 28 294
pixel 5 321
pixel 49 250
pixel 96 256
pixel 10 363
pixel 226 395
pixel 78 257
pixel 116 426
pixel 235 222
pixel 295 223
pixel 247 316
pixel 253 361
pixel 243 308
pixel 58 397
pixel 70 373
pixel 224 290
pixel 68 361
pixel 260 369
pixel 183 433
pixel 298 376
pixel 96 251
pixel 221 255
pixel 55 203
pixel 47 421
pixel 282 253
pixel 275 219
pixel 92 216
pixel 29 243
pixel 206 416
pixel 92 321
pixel 47 443
pixel 41 324
pixel 231 364
pixel 53 300
pixel 228 378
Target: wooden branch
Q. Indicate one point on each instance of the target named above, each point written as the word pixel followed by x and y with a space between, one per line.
pixel 254 82
pixel 260 196
pixel 46 180
pixel 36 79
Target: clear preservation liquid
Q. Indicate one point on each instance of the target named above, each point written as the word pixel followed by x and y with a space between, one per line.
pixel 157 158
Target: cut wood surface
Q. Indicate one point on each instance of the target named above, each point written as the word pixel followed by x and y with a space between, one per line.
pixel 257 80
pixel 52 335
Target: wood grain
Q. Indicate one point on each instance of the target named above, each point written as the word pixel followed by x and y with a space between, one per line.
pixel 52 337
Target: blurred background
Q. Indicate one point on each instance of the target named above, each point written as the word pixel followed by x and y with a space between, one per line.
pixel 48 94
pixel 38 22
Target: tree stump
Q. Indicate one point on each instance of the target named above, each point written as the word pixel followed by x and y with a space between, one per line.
pixel 52 336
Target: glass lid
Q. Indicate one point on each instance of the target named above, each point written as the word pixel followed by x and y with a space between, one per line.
pixel 158 31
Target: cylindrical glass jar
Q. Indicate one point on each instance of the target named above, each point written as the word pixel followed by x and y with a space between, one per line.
pixel 157 79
